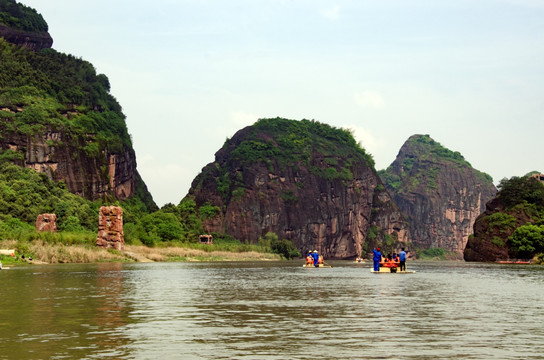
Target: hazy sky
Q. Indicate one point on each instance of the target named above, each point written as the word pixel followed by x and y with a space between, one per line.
pixel 189 74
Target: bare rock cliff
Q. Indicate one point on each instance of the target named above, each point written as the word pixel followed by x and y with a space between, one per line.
pixel 439 192
pixel 34 41
pixel 293 181
pixel 62 158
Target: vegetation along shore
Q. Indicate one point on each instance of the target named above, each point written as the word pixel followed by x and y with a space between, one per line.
pixel 44 252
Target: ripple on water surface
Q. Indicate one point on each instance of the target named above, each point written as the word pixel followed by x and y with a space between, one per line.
pixel 273 310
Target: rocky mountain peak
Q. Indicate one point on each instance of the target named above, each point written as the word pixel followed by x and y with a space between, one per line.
pixel 303 180
pixel 439 192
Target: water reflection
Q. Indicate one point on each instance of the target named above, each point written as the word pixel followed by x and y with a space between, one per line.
pixel 271 310
pixel 55 312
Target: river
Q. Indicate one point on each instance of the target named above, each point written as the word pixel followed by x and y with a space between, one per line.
pixel 271 310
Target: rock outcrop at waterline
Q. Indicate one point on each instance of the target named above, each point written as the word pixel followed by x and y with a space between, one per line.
pixel 438 191
pixel 304 181
pixel 512 225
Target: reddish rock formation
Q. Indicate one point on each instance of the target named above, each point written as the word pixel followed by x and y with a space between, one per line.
pixel 46 222
pixel 439 192
pixel 62 158
pixel 326 198
pixel 60 152
pixel 110 228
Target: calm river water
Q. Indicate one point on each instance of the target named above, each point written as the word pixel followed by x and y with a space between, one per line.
pixel 271 310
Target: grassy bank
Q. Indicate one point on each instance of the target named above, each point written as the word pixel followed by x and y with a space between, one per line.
pixel 44 252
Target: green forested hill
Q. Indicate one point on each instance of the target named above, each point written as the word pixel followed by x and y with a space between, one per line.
pixel 55 109
pixel 18 16
pixel 424 149
pixel 289 142
pixel 513 224
pixel 58 91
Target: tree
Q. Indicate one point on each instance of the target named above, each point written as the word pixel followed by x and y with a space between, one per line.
pixel 517 190
pixel 164 225
pixel 527 240
pixel 284 247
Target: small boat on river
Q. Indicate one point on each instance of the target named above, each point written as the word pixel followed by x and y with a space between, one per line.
pixel 318 265
pixel 514 262
pixel 386 270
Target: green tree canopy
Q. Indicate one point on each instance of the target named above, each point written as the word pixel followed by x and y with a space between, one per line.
pixel 518 190
pixel 21 17
pixel 527 240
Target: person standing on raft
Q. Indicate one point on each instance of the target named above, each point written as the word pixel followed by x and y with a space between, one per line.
pixel 315 255
pixel 402 260
pixel 377 259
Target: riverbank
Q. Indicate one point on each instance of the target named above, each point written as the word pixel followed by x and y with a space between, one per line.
pixel 40 252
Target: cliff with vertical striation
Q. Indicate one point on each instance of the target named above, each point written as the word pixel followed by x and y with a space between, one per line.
pixel 57 115
pixel 304 181
pixel 438 191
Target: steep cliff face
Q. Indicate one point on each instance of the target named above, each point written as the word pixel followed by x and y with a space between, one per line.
pixel 438 191
pixel 481 246
pixel 304 181
pixel 30 40
pixel 63 158
pixel 58 117
pixel 23 26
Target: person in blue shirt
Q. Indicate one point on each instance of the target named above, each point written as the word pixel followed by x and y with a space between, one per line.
pixel 377 258
pixel 402 260
pixel 315 255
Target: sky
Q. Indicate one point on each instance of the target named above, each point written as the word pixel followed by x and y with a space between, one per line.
pixel 189 74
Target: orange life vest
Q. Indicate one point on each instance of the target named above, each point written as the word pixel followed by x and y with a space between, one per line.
pixel 390 264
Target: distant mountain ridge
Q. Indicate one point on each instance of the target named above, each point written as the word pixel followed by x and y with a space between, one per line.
pixel 439 192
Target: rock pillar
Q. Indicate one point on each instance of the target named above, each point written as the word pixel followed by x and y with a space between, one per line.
pixel 46 222
pixel 110 228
